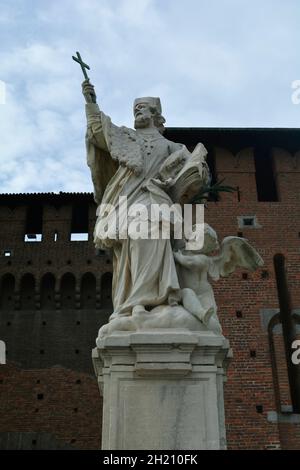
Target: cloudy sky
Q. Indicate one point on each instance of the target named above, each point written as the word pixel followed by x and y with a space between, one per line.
pixel 213 63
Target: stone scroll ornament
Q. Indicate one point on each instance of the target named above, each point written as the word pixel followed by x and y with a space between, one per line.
pixel 155 285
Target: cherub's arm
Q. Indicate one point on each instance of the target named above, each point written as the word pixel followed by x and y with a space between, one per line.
pixel 188 261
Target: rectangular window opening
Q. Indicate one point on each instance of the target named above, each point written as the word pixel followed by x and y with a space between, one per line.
pixel 33 237
pixel 248 221
pixel 79 237
pixel 34 223
pixel 264 175
pixel 80 222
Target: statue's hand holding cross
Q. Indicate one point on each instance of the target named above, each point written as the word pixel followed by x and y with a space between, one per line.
pixel 87 88
pixel 88 91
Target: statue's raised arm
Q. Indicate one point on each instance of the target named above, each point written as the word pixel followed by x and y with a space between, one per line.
pixel 98 136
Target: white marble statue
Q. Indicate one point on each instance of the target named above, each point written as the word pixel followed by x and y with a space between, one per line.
pixel 140 164
pixel 148 290
pixel 194 267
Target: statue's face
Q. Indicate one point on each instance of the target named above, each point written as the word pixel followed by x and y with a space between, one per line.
pixel 142 115
pixel 210 243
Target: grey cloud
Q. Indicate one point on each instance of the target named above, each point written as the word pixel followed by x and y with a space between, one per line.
pixel 214 63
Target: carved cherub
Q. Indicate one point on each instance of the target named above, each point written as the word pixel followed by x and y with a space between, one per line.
pixel 194 267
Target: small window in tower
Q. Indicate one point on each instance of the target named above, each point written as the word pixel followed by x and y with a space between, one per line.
pixel 55 236
pixel 80 223
pixel 34 224
pixel 248 221
pixel 264 175
pixel 7 253
pixel 79 237
pixel 33 237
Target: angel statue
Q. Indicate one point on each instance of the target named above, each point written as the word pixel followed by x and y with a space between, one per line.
pixel 194 267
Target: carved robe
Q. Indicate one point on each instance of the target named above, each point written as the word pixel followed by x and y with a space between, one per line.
pixel 123 163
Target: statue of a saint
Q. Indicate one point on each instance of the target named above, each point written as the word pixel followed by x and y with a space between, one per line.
pixel 132 163
pixel 149 289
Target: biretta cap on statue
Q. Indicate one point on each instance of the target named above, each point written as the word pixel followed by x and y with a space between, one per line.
pixel 153 102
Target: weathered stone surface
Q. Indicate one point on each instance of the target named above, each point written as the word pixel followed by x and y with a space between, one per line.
pixel 162 389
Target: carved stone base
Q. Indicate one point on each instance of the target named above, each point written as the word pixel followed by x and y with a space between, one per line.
pixel 162 389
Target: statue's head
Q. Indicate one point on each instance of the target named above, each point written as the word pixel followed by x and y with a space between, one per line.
pixel 209 239
pixel 147 113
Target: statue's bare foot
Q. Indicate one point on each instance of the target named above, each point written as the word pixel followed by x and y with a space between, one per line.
pixel 138 309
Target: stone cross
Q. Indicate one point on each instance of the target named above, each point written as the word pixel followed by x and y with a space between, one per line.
pixel 82 65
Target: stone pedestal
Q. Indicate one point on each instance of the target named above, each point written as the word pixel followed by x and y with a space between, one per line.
pixel 162 389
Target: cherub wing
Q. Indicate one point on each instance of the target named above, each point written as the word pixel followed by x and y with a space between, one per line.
pixel 235 252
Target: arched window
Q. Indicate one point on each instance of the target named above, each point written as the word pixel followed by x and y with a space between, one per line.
pixel 67 291
pixel 27 292
pixel 48 292
pixel 7 292
pixel 88 291
pixel 106 285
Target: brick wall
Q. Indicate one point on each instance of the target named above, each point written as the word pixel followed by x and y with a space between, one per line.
pixel 58 401
pixel 250 393
pixel 250 379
